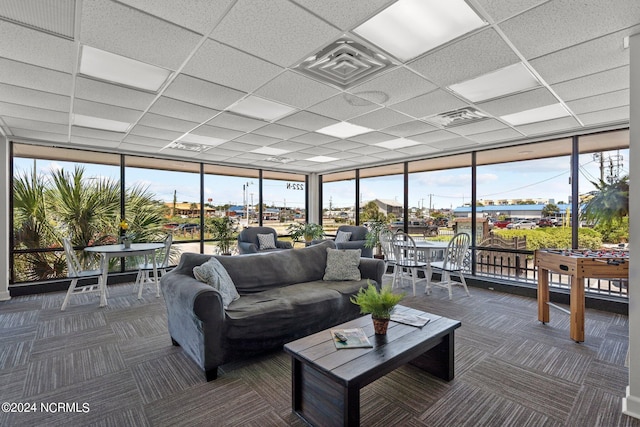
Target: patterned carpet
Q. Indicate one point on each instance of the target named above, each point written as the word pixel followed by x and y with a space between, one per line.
pixel 115 366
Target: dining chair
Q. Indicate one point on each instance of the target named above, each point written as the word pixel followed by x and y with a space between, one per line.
pixel 385 237
pixel 453 262
pixel 407 263
pixel 162 262
pixel 75 272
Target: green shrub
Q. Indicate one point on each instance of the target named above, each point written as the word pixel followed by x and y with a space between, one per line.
pixel 557 237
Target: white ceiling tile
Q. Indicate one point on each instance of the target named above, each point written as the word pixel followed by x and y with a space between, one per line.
pixel 501 9
pixel 33 113
pixel 56 17
pixel 604 101
pixel 549 126
pixel 257 139
pixel 237 146
pixel 107 93
pixel 481 126
pixel 33 77
pixel 380 119
pixel 104 111
pixel 433 137
pixel 594 84
pixel 410 128
pixel 164 122
pixel 203 93
pixel 343 145
pixel 170 107
pixel 485 50
pixel 113 27
pixel 345 15
pixel 37 48
pixel 307 121
pixel 291 146
pixel 370 149
pixel 343 107
pixel 236 122
pixel 37 135
pixel 160 134
pixel 389 155
pixel 277 30
pixel 557 24
pixel 34 125
pixel 197 15
pixel 453 144
pixel 318 151
pixel 519 102
pixel 435 102
pixel 144 141
pixel 93 142
pixel 587 58
pixel 279 131
pixel 495 136
pixel 613 115
pixel 295 89
pixel 34 98
pixel 230 67
pixel 80 132
pixel 392 87
pixel 372 137
pixel 217 132
pixel 419 149
pixel 314 138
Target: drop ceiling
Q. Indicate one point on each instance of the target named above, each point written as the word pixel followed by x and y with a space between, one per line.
pixel 237 93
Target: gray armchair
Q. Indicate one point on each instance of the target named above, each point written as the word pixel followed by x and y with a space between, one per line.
pixel 248 240
pixel 356 240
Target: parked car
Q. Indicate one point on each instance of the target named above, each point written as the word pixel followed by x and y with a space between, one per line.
pixel 188 227
pixel 502 223
pixel 524 224
pixel 546 222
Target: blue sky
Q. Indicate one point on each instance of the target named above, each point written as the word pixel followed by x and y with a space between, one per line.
pixel 534 179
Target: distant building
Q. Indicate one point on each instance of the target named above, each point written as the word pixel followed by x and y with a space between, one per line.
pixel 188 210
pixel 513 211
pixel 388 206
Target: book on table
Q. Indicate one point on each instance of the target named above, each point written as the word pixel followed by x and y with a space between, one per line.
pixel 410 319
pixel 350 338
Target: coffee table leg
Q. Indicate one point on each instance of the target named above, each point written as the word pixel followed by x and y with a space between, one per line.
pixel 439 361
pixel 320 401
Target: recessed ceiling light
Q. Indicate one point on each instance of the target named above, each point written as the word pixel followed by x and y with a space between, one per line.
pixel 199 139
pixel 261 108
pixel 409 28
pixel 119 69
pixel 322 159
pixel 511 79
pixel 99 123
pixel 270 151
pixel 540 114
pixel 394 144
pixel 344 130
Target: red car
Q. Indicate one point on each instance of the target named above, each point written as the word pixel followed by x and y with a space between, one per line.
pixel 502 223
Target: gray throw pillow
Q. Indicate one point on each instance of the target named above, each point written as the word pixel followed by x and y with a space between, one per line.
pixel 215 275
pixel 342 264
pixel 343 236
pixel 266 241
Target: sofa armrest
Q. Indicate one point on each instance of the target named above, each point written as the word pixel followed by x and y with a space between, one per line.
pixel 247 248
pixel 282 244
pixel 371 268
pixel 184 294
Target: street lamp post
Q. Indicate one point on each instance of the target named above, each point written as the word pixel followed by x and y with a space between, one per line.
pixel 245 189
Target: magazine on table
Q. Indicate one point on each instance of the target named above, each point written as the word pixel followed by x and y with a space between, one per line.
pixel 410 319
pixel 350 338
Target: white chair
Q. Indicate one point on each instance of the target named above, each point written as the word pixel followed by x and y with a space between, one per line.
pixel 407 262
pixel 161 261
pixel 385 237
pixel 453 262
pixel 75 271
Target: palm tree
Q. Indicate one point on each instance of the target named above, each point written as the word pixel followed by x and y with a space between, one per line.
pixel 610 204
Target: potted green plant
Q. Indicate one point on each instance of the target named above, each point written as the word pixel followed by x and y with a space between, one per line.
pixel 379 303
pixel 372 239
pixel 308 232
pixel 223 233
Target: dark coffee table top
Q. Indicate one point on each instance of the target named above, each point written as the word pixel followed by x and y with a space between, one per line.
pixel 360 366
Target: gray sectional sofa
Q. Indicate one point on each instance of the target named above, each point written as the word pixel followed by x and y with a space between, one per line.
pixel 282 297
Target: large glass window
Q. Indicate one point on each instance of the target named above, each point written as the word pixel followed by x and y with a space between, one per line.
pixel 338 200
pixel 283 200
pixel 60 193
pixel 382 194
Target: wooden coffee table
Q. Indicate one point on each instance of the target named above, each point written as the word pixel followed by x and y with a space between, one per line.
pixel 326 382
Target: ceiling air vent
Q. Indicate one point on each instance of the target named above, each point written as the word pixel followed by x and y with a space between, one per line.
pixel 278 159
pixel 344 63
pixel 463 116
pixel 188 146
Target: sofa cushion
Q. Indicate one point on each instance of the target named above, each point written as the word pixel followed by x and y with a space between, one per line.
pixel 342 264
pixel 342 236
pixel 276 312
pixel 266 241
pixel 215 275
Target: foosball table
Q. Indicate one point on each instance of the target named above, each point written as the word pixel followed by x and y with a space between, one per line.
pixel 578 264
